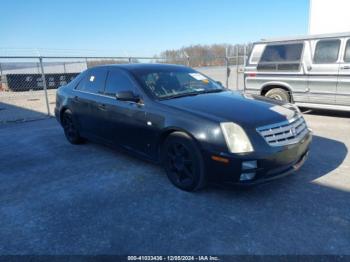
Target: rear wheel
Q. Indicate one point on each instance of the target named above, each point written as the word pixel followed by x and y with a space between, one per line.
pixel 70 128
pixel 278 94
pixel 183 162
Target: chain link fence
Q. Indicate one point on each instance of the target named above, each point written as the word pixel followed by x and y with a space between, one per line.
pixel 28 84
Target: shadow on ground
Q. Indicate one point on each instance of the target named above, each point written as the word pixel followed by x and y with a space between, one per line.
pixel 10 113
pixel 324 112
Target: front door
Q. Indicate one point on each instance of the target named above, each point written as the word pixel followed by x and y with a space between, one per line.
pixel 124 122
pixel 323 72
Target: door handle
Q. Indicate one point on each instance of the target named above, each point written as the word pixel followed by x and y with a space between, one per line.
pixel 101 107
pixel 76 99
pixel 345 67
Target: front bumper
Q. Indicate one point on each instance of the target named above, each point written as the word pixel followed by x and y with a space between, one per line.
pixel 270 165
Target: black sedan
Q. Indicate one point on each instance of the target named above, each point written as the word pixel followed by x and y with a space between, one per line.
pixel 198 130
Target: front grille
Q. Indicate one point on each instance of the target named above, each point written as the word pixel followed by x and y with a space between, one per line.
pixel 284 133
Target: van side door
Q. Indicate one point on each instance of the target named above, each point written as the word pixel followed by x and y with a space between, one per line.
pixel 323 72
pixel 343 88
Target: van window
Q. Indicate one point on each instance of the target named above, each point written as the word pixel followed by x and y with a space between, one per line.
pixel 347 52
pixel 282 53
pixel 281 57
pixel 256 54
pixel 326 51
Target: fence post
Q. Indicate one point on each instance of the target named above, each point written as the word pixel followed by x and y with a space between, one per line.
pixel 244 55
pixel 44 85
pixel 227 66
pixel 129 60
pixel 237 64
pixel 86 62
pixel 188 60
pixel 1 87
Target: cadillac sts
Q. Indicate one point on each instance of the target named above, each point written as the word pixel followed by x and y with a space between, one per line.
pixel 198 130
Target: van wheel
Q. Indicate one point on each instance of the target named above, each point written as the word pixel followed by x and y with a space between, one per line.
pixel 278 94
pixel 183 162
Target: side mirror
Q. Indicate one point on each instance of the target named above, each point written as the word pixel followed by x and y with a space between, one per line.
pixel 219 82
pixel 127 96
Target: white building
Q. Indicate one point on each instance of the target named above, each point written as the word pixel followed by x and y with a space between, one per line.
pixel 329 16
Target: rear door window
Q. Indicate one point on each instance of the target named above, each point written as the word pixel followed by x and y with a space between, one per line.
pixel 327 51
pixel 94 81
pixel 118 80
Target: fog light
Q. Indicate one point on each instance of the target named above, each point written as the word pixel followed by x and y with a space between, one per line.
pixel 247 176
pixel 249 165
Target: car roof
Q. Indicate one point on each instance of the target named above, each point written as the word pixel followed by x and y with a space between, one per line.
pixel 143 66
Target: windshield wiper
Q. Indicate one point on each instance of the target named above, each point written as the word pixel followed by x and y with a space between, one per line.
pixel 218 90
pixel 193 93
pixel 180 95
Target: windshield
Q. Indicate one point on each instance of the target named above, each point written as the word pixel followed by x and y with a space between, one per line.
pixel 170 84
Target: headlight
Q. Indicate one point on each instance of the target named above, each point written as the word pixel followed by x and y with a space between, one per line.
pixel 236 139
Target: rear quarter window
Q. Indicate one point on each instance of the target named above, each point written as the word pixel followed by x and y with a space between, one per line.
pixel 256 53
pixel 93 81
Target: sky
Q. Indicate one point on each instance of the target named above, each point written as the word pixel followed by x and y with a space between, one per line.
pixel 143 27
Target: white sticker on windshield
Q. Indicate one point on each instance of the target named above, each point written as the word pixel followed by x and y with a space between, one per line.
pixel 92 78
pixel 198 76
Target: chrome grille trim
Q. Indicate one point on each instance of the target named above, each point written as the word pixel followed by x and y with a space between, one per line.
pixel 284 133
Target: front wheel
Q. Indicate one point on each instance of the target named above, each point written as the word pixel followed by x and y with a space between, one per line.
pixel 70 128
pixel 183 162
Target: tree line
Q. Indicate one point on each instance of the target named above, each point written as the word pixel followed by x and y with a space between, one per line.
pixel 206 55
pixel 193 55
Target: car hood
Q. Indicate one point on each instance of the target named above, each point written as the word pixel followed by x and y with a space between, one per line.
pixel 229 106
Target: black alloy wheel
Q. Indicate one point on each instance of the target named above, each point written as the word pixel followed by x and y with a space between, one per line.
pixel 183 162
pixel 70 129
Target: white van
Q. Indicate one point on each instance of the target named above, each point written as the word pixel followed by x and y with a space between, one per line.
pixel 311 71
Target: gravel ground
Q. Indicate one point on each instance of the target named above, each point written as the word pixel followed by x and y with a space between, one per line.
pixel 56 198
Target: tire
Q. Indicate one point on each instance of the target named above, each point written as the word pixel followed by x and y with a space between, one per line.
pixel 278 94
pixel 183 162
pixel 70 128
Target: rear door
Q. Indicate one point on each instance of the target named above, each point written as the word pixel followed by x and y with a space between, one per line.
pixel 323 72
pixel 87 100
pixel 343 88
